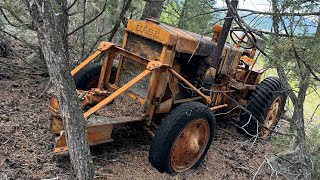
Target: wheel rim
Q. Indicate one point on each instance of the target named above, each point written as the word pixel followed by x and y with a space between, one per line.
pixel 272 117
pixel 190 145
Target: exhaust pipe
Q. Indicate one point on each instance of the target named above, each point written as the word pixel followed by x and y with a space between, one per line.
pixel 216 57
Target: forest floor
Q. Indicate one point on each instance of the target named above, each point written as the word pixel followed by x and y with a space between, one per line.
pixel 26 143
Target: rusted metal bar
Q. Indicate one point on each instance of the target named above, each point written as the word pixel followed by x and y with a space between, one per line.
pixel 179 101
pixel 103 46
pixel 177 75
pixel 117 93
pixel 86 62
pixel 103 69
pixel 218 107
pixel 132 56
pixel 108 70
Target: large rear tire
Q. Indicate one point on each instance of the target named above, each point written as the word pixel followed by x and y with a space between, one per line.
pixel 183 139
pixel 88 77
pixel 266 104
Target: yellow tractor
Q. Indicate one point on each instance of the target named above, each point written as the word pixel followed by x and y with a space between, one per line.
pixel 173 82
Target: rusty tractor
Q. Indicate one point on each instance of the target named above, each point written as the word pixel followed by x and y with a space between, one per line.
pixel 176 81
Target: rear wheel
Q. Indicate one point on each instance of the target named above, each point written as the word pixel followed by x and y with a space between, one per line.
pixel 265 105
pixel 88 77
pixel 183 139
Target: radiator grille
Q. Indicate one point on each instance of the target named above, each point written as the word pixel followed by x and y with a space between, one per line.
pixel 130 69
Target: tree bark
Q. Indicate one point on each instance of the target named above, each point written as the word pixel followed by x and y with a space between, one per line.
pixel 318 28
pixel 152 9
pixel 51 22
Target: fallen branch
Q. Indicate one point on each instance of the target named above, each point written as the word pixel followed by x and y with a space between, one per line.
pixel 45 89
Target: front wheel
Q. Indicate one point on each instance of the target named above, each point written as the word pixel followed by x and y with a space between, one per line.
pixel 183 139
pixel 264 108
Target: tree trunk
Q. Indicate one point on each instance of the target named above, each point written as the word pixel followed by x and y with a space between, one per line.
pixel 152 9
pixel 318 28
pixel 51 21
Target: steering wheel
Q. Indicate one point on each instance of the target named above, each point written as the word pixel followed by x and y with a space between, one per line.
pixel 246 41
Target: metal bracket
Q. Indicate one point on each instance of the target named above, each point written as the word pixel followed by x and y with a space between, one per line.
pixel 152 65
pixel 105 45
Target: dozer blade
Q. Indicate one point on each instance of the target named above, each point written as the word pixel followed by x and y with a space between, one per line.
pixel 99 130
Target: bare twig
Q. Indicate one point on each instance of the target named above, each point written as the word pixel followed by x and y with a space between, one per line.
pixel 256 173
pixel 11 35
pixel 273 169
pixel 71 5
pixel 25 61
pixel 96 42
pixel 7 19
pixel 45 89
pixel 83 29
pixel 202 14
pixel 314 112
pixel 281 14
pixel 13 14
pixel 90 21
pixel 118 22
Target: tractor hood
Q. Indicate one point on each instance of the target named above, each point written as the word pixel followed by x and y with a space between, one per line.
pixel 184 41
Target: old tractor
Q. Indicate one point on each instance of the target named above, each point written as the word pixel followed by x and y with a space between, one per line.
pixel 173 82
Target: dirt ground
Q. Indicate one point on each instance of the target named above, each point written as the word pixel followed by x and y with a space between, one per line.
pixel 26 143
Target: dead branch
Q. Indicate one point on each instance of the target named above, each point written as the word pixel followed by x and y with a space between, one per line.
pixel 253 12
pixel 117 25
pixel 71 5
pixel 256 173
pixel 273 169
pixel 96 42
pixel 90 21
pixel 280 133
pixel 202 14
pixel 314 112
pixel 83 43
pixel 25 61
pixel 31 46
pixel 7 19
pixel 13 14
pixel 45 89
pixel 281 14
pixel 11 35
pixel 13 67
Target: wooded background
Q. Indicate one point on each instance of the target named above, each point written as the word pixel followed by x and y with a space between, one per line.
pixel 290 30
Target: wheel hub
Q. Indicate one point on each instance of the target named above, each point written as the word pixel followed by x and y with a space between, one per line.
pixel 272 117
pixel 190 145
